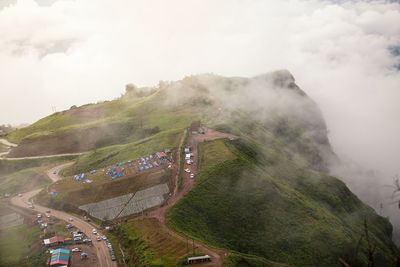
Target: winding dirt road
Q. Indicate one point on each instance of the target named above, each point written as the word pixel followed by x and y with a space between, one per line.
pixel 103 254
pixel 217 255
pixel 7 143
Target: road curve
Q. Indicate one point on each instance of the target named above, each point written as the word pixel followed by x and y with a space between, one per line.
pixel 53 172
pixel 7 143
pixel 103 254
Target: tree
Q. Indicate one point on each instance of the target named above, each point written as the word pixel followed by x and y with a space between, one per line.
pixel 130 88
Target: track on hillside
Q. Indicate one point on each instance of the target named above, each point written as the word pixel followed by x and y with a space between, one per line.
pixel 193 141
pixel 22 202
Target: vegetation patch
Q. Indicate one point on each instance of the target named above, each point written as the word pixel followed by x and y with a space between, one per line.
pixel 24 180
pixel 280 213
pixel 17 243
pixel 213 153
pixel 111 155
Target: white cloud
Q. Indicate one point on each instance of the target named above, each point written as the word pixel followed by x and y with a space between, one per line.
pixel 73 52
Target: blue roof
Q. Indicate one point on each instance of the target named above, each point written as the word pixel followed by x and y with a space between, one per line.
pixel 62 250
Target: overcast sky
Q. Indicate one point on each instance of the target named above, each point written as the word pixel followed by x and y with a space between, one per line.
pixel 61 53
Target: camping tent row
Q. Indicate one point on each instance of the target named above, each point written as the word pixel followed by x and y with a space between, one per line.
pixel 60 257
pixel 144 164
pixel 79 177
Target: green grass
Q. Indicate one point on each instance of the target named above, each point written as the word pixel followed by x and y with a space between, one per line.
pixel 10 166
pixel 111 155
pixel 213 153
pixel 279 212
pixel 16 243
pixel 3 148
pixel 24 180
pixel 244 260
pixel 135 249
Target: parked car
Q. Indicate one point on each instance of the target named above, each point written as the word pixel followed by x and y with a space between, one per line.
pixel 76 250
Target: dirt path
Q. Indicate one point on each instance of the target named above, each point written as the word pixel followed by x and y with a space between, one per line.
pixel 44 156
pixel 187 185
pixel 101 248
pixel 7 143
pixel 53 172
pixel 11 145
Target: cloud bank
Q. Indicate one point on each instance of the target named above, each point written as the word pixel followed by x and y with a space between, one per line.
pixel 344 54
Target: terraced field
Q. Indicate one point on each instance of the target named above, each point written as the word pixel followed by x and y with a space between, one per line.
pixel 165 246
pixel 129 204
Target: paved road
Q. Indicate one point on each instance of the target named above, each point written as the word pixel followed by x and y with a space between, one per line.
pixel 102 251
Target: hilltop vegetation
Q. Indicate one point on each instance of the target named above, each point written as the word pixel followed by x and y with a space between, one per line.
pixel 265 197
pixel 19 242
pixel 281 212
pixel 23 181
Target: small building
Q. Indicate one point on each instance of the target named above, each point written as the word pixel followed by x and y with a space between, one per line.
pixel 198 259
pixel 195 127
pixel 55 240
pixel 60 257
pixel 187 150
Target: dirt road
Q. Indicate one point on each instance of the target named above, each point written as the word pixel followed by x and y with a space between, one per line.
pixel 187 185
pixel 53 172
pixel 7 143
pixel 11 145
pixel 45 156
pixel 102 251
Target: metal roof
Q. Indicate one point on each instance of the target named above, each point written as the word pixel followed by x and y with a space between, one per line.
pixel 199 258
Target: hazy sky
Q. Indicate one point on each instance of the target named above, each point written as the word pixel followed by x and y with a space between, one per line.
pixel 73 52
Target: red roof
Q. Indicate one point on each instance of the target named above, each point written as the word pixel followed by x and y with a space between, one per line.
pixel 59 262
pixel 57 239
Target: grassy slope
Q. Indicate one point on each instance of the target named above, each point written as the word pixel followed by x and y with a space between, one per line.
pixel 3 148
pixel 110 155
pixel 23 180
pixel 10 166
pixel 15 244
pixel 267 201
pixel 295 216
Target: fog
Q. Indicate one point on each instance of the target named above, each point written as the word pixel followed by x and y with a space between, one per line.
pixel 344 54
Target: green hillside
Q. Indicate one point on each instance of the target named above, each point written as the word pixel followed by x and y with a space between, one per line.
pixel 266 196
pixel 280 211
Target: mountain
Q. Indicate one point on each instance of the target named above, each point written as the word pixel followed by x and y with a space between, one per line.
pixel 267 194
